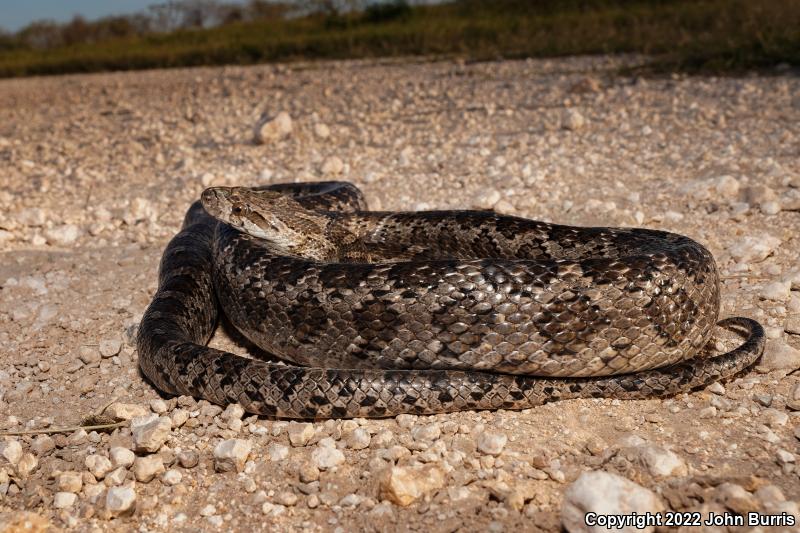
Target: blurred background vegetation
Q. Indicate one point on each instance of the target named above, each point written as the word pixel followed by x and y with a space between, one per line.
pixel 688 35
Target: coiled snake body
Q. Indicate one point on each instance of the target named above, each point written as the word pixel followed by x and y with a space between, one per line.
pixel 428 312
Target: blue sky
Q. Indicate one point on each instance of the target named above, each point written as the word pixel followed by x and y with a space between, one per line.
pixel 14 14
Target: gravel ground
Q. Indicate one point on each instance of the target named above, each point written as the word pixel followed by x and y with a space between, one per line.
pixel 98 170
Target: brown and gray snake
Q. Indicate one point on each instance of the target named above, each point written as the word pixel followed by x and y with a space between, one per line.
pixel 382 313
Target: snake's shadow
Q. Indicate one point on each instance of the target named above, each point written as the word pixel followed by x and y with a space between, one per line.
pixel 243 342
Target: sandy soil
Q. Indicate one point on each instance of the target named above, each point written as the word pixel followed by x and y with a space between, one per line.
pixel 98 170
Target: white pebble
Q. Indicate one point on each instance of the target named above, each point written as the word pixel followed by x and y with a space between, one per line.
pixel 491 443
pixel 324 457
pixel 776 290
pixel 120 500
pixel 300 433
pixel 150 432
pixel 404 485
pixel 64 500
pixel 146 468
pixel 605 493
pixel 98 465
pixel 110 347
pixel 69 482
pixel 754 248
pixel 272 129
pixel 171 477
pixel 121 456
pixel 321 130
pixel 277 452
pixel 332 165
pixel 11 451
pixel 230 455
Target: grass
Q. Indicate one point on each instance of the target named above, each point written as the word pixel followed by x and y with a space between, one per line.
pixel 687 35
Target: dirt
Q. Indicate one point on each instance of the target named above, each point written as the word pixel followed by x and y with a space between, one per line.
pixel 98 170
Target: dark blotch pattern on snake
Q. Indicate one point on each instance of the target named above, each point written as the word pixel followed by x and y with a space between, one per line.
pixel 430 312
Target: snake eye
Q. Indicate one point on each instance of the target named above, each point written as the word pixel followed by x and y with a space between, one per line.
pixel 237 209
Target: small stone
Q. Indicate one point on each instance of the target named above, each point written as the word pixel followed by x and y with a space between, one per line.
pixel 661 462
pixel 777 290
pixel 116 477
pixel 188 458
pixel 332 165
pixel 784 456
pixel 382 512
pixel 273 509
pixel 428 432
pixel 735 498
pixel 487 199
pixel 321 130
pixel 27 464
pixel 89 355
pixel 93 492
pixel 605 493
pixel 171 477
pixel 754 248
pixel 69 482
pixel 64 500
pixel 351 500
pixel 11 451
pixel 110 347
pixel 286 498
pixel 150 432
pixel 779 356
pixel 574 120
pixel 146 468
pixel 758 195
pixel 121 457
pixel 300 433
pixel 774 418
pixel 308 473
pixel 708 412
pixel 491 443
pixel 770 494
pixel 140 209
pixel 792 326
pixel 208 510
pixel 43 444
pixel 716 388
pixel 406 421
pixel 63 235
pixel 233 411
pixel 32 216
pixel 763 399
pixel 358 439
pixel 120 500
pixel 277 452
pixel 126 411
pixel 210 410
pixel 230 455
pixel 98 465
pixel 272 129
pixel 179 417
pixel 159 406
pixel 404 485
pixel 324 457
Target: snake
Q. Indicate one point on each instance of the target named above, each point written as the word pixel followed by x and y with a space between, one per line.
pixel 347 312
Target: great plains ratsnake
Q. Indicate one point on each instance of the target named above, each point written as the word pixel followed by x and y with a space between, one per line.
pixel 427 312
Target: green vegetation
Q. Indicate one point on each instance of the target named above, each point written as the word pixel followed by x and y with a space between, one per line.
pixel 689 35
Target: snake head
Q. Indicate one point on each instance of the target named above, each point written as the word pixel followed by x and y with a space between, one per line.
pixel 268 215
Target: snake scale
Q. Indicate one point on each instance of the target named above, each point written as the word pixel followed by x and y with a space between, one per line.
pixel 382 313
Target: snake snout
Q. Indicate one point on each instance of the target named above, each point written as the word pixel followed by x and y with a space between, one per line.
pixel 214 198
